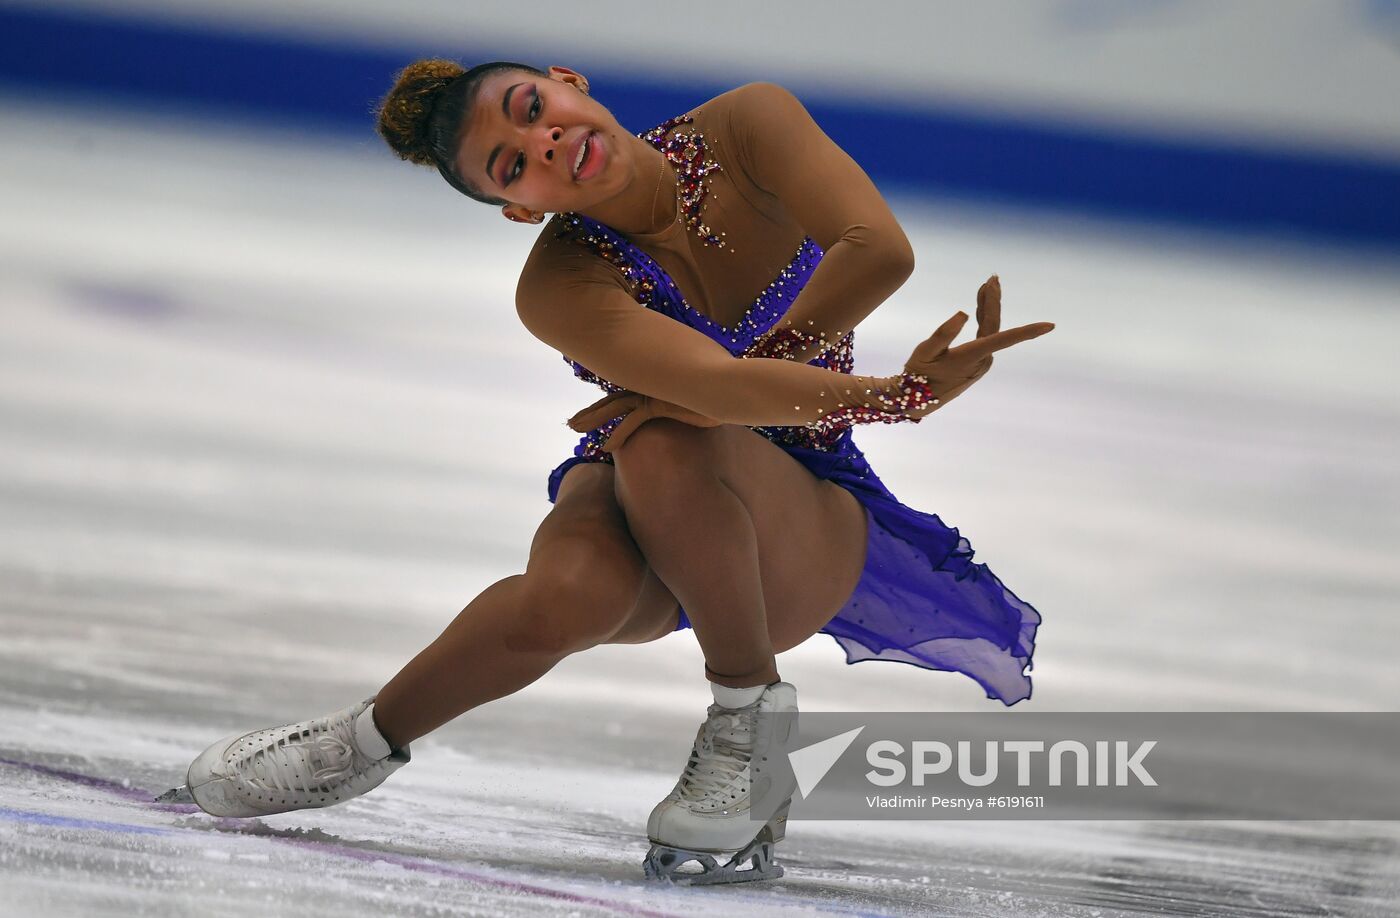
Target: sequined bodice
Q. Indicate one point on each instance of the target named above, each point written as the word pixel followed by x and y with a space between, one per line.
pixel 652 287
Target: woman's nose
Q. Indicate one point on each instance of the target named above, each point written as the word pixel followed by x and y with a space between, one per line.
pixel 547 144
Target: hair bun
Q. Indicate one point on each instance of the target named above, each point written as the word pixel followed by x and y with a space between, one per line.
pixel 406 112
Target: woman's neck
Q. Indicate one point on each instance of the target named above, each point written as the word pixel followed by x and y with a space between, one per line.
pixel 648 204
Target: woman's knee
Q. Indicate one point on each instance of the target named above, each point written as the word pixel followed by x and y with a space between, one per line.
pixel 573 598
pixel 658 453
pixel 655 614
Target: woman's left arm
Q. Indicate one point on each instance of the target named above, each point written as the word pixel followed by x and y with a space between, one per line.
pixel 867 258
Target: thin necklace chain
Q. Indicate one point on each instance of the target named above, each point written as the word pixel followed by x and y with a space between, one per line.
pixel 665 167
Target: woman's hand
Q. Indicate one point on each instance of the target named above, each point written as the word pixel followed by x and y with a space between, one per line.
pixel 638 409
pixel 951 371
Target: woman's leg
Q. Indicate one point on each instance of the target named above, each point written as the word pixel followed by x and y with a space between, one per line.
pixel 585 583
pixel 759 551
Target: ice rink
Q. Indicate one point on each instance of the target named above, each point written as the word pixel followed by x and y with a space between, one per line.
pixel 268 421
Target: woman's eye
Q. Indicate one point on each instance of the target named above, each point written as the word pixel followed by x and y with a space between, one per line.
pixel 535 108
pixel 519 166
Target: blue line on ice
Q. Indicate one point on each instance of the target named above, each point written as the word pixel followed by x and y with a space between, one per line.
pixel 68 822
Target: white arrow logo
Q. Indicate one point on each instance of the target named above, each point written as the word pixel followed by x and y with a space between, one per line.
pixel 811 763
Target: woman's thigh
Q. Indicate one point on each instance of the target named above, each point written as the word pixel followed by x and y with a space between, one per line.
pixel 811 533
pixel 584 550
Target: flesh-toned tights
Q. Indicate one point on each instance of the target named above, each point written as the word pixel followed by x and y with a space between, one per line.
pixel 759 552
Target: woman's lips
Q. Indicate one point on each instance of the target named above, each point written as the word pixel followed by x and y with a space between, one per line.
pixel 593 159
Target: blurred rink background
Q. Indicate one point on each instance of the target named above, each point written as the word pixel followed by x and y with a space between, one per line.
pixel 268 421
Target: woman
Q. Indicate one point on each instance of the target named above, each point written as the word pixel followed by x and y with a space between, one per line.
pixel 708 492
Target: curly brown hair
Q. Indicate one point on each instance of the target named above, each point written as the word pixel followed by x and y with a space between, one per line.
pixel 422 116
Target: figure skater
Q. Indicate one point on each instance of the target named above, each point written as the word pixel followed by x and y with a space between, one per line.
pixel 707 274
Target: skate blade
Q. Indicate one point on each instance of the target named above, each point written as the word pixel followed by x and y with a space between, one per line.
pixel 754 862
pixel 179 794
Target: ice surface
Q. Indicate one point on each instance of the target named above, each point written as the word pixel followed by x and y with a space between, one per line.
pixel 254 454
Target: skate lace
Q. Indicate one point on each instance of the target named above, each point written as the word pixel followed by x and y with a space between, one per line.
pixel 318 755
pixel 722 752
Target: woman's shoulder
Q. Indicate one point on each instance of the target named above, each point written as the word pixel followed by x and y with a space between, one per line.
pixel 755 118
pixel 753 130
pixel 740 111
pixel 750 98
pixel 558 259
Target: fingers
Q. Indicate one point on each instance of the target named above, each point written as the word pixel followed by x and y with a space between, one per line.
pixel 981 347
pixel 938 342
pixel 977 373
pixel 608 399
pixel 989 307
pixel 628 424
pixel 605 409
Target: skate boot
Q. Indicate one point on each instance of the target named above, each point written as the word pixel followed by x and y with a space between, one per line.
pixel 706 817
pixel 314 763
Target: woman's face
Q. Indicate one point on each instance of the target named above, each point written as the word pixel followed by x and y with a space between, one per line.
pixel 524 138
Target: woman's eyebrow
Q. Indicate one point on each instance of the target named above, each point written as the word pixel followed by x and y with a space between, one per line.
pixel 505 98
pixel 505 109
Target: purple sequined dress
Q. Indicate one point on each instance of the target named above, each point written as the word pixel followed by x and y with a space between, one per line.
pixel 920 598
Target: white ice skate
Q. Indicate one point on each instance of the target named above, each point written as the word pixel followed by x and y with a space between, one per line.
pixel 314 763
pixel 707 815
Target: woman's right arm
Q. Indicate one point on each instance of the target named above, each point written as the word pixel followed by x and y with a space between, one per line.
pixel 601 327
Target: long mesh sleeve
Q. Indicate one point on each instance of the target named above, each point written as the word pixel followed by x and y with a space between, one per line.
pixel 603 328
pixel 784 153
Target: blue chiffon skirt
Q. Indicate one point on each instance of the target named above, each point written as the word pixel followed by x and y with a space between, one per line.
pixel 920 599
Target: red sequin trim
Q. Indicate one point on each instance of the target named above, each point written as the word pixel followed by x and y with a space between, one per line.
pixel 688 151
pixel 914 395
pixel 785 343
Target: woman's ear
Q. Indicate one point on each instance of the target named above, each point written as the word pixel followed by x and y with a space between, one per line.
pixel 517 214
pixel 572 77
